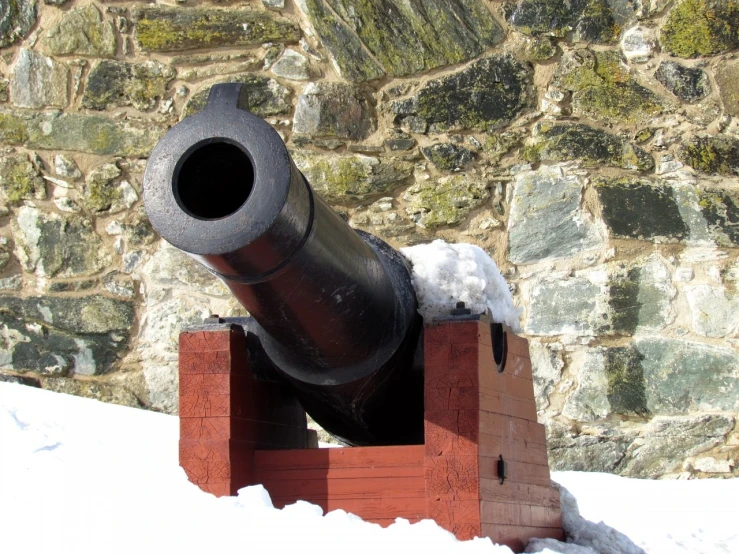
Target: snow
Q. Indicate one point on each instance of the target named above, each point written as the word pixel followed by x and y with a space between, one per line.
pixel 444 274
pixel 79 476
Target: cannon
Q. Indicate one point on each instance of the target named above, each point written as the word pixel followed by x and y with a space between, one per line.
pixel 333 308
pixel 441 414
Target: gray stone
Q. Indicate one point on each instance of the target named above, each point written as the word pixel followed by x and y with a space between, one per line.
pixel 119 284
pixel 714 154
pixel 593 147
pixel 93 134
pixel 58 336
pixel 687 83
pixel 38 81
pixel 382 220
pixel 597 22
pixel 712 465
pixel 334 110
pixel 610 381
pixel 546 219
pixel 17 18
pixel 172 29
pixel 720 211
pixel 640 209
pixel 713 314
pixel 682 376
pixel 447 156
pixel 486 95
pixel 638 44
pixel 394 37
pixel 640 297
pixel 274 4
pixel 292 65
pixel 400 144
pixel 65 166
pixel 20 180
pixel 727 80
pixel 55 246
pixel 343 179
pixel 82 31
pixel 170 268
pixel 447 201
pixel 265 96
pixel 547 365
pixel 113 83
pixel 587 453
pixel 667 441
pixel 105 392
pixel 571 306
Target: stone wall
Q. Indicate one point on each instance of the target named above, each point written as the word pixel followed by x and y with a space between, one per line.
pixel 591 147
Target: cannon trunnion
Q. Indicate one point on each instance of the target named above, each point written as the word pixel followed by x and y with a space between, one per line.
pixel 442 411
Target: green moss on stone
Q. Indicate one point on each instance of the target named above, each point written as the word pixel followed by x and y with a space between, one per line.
pixel 445 202
pixel 626 383
pixel 593 147
pixel 20 180
pixel 716 154
pixel 701 28
pixel 12 129
pixel 604 90
pixel 169 29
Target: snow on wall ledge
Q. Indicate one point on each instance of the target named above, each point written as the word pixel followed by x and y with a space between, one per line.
pixel 444 274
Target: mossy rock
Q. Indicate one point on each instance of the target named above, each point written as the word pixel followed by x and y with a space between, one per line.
pixel 349 179
pixel 172 29
pixel 701 28
pixel 447 156
pixel 603 89
pixel 101 189
pixel 82 31
pixel 597 21
pixel 266 96
pixel 445 202
pixel 20 180
pixel 486 95
pixel 715 154
pixel 17 18
pixel 113 83
pixel 370 39
pixel 640 209
pixel 593 147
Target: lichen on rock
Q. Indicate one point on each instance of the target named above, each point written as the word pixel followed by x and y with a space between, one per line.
pixel 17 18
pixel 593 147
pixel 114 83
pixel 334 110
pixel 444 202
pixel 20 179
pixel 701 28
pixel 714 154
pixel 603 89
pixel 350 178
pixel 687 83
pixel 486 95
pixel 448 156
pixel 82 31
pixel 171 29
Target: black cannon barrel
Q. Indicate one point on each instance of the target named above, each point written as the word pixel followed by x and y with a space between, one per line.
pixel 336 309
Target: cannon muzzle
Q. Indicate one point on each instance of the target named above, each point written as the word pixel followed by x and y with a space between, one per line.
pixel 335 308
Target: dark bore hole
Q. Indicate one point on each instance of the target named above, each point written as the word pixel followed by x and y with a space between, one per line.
pixel 214 181
pixel 499 345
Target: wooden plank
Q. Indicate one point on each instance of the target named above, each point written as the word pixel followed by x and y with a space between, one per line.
pixel 268 474
pixel 500 403
pixel 517 345
pixel 453 365
pixel 516 537
pixel 513 449
pixel 518 472
pixel 452 477
pixel 366 508
pixel 448 512
pixel 441 441
pixel 519 493
pixel 512 427
pixel 391 487
pixel 205 341
pixel 507 513
pixel 315 458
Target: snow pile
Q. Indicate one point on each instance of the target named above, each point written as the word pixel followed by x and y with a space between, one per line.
pixel 77 475
pixel 444 274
